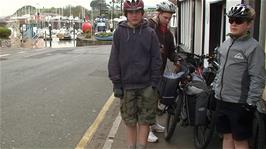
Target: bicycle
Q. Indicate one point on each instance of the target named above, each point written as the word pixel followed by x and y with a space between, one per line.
pixel 182 107
pixel 203 133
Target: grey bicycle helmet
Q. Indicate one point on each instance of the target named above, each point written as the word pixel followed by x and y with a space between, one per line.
pixel 166 6
pixel 241 11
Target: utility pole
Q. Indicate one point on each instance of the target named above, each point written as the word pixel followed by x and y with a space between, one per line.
pixel 100 7
pixel 70 10
pixel 113 13
pixel 50 34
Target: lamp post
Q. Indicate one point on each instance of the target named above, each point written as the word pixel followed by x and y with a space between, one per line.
pixel 50 34
pixel 38 15
pixel 112 17
pixel 74 26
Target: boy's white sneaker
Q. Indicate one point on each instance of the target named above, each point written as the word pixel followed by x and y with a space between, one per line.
pixel 152 138
pixel 157 128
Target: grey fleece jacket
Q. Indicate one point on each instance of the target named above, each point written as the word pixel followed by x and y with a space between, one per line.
pixel 241 77
pixel 135 57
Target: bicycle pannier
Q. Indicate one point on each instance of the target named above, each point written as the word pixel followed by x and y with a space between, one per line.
pixel 168 87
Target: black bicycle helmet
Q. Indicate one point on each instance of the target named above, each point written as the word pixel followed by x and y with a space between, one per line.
pixel 241 11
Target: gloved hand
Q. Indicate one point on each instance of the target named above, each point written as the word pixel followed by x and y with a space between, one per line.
pixel 118 92
pixel 249 108
pixel 156 91
pixel 246 113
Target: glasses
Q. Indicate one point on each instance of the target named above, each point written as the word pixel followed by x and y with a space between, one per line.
pixel 238 21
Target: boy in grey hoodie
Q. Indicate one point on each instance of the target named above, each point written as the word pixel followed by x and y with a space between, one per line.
pixel 240 80
pixel 134 69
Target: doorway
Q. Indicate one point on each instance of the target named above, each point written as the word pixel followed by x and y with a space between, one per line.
pixel 217 28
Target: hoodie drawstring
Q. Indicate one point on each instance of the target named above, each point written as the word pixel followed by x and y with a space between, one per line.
pixel 140 30
pixel 128 36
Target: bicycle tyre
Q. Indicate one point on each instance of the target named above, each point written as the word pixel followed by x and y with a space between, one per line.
pixel 203 134
pixel 258 131
pixel 172 119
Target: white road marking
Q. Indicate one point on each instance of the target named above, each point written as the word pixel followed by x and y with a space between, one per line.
pixel 110 138
pixel 4 55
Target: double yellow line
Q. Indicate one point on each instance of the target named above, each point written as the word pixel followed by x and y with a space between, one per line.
pixel 85 140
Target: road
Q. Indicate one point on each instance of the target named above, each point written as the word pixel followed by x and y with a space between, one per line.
pixel 49 97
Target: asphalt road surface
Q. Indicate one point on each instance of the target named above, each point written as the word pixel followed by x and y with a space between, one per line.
pixel 49 97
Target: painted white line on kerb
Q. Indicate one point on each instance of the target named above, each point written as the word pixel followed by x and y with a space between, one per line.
pixel 4 55
pixel 85 140
pixel 110 138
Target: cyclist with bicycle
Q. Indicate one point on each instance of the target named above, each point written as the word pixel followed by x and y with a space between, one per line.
pixel 240 80
pixel 167 47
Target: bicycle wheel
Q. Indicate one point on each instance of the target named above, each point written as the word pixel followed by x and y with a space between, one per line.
pixel 203 133
pixel 172 119
pixel 258 134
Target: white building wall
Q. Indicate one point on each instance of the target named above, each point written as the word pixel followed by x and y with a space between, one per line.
pixel 229 4
pixel 186 22
pixel 198 27
pixel 173 21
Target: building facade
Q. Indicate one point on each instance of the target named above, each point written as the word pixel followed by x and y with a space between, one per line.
pixel 202 25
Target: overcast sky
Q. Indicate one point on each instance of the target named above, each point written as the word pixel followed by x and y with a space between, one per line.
pixel 9 7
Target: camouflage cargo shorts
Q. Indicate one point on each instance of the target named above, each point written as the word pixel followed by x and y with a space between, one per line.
pixel 139 106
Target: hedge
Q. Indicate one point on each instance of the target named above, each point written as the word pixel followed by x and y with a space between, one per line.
pixel 4 32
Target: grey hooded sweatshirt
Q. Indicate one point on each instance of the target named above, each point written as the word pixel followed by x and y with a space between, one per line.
pixel 135 57
pixel 241 78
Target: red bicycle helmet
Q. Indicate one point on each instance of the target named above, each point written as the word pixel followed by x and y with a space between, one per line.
pixel 133 5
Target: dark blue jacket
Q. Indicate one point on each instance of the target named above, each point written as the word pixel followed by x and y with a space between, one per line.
pixel 135 57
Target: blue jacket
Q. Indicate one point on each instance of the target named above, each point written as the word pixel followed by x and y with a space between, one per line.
pixel 135 57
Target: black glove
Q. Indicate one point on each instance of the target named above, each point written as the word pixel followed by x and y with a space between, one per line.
pixel 249 108
pixel 118 92
pixel 246 113
pixel 156 91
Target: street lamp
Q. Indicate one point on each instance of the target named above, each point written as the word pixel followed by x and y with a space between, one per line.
pixel 50 33
pixel 74 26
pixel 38 12
pixel 112 17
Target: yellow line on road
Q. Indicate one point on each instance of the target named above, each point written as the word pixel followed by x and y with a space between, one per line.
pixel 85 140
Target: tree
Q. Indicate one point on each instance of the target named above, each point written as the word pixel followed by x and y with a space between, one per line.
pixel 99 5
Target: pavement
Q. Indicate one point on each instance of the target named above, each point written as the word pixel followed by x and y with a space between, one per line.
pixel 112 134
